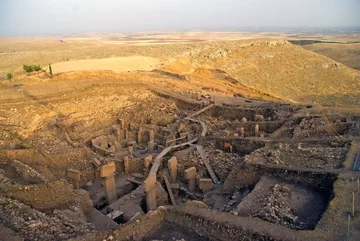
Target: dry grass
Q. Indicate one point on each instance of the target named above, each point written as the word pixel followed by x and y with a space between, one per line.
pixel 347 54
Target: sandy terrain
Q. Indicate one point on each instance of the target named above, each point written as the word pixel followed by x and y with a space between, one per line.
pixel 119 64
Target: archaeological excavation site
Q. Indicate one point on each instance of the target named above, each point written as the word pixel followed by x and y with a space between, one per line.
pixel 168 168
pixel 190 149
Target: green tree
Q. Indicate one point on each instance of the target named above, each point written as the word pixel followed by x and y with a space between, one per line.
pixel 9 76
pixel 50 69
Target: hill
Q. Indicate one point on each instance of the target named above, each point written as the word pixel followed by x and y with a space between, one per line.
pixel 256 68
pixel 345 53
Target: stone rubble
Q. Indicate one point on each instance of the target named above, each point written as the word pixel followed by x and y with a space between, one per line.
pixel 277 210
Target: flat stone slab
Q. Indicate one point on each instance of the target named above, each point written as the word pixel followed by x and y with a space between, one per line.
pixel 108 169
pixel 190 173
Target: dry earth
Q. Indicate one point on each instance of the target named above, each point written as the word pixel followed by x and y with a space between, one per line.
pixel 348 54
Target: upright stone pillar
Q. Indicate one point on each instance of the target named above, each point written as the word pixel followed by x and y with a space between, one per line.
pixel 126 165
pixel 74 177
pixel 107 172
pixel 149 186
pixel 151 135
pixel 126 133
pixel 118 133
pixel 131 150
pixel 257 130
pixel 190 175
pixel 243 120
pixel 97 164
pixel 139 135
pixel 147 162
pixel 151 146
pixel 242 132
pixel 122 124
pixel 172 165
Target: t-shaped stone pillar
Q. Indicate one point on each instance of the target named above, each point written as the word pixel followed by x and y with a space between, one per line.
pixel 172 165
pixel 74 177
pixel 107 172
pixel 190 175
pixel 149 186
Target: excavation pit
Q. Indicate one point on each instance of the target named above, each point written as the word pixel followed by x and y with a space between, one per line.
pixel 170 231
pixel 290 204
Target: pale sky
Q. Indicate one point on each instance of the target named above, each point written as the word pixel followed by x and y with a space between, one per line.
pixel 51 17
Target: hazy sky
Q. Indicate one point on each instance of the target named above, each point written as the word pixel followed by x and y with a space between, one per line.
pixel 31 17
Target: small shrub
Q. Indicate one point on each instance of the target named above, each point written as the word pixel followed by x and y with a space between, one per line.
pixel 9 76
pixel 31 68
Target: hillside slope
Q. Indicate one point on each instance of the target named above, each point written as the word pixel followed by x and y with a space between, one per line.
pixel 256 68
pixel 281 69
pixel 348 54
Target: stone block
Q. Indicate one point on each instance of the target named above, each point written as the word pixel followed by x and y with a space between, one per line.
pixel 205 184
pixel 190 173
pixel 175 186
pixel 108 169
pixel 73 174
